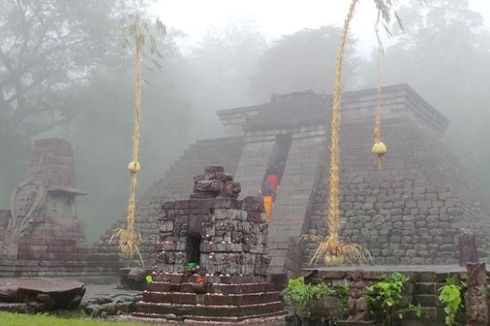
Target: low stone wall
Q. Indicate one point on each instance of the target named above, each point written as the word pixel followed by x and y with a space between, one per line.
pixel 422 288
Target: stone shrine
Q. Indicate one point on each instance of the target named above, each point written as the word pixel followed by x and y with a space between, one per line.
pixel 41 235
pixel 410 213
pixel 212 261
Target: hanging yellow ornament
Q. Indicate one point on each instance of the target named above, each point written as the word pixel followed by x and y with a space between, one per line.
pixel 379 148
pixel 134 166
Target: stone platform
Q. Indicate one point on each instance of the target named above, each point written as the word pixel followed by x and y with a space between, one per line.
pixel 232 300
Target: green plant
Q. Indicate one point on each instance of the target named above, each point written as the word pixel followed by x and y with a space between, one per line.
pixel 342 296
pixel 411 307
pixel 450 295
pixel 299 295
pixel 384 296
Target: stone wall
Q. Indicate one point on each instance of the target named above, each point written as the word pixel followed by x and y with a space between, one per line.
pixel 411 211
pixel 52 162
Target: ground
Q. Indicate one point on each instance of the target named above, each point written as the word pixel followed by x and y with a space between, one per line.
pixel 10 319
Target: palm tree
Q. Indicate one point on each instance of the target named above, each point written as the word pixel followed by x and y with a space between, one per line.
pixel 332 250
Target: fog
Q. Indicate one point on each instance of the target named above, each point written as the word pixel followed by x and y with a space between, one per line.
pixel 63 72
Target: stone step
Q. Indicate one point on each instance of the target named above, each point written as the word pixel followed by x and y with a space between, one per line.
pixel 217 288
pixel 257 319
pixel 428 314
pixel 208 310
pixel 426 288
pixel 211 299
pixel 426 300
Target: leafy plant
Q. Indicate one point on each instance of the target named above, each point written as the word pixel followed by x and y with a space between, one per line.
pixel 300 295
pixel 385 295
pixel 342 295
pixel 450 295
pixel 418 309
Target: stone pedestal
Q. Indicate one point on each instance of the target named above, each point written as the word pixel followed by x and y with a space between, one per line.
pixel 476 295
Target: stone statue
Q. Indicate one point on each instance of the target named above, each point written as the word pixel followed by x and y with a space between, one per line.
pixel 476 295
pixel 357 304
pixel 28 200
pixel 467 252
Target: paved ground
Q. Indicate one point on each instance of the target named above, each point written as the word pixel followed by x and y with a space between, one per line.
pixel 102 290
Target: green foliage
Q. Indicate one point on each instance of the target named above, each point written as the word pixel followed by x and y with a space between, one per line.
pixel 45 320
pixel 385 295
pixel 145 35
pixel 418 309
pixel 342 295
pixel 299 295
pixel 450 295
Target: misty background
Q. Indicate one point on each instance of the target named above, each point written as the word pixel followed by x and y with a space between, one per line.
pixel 64 73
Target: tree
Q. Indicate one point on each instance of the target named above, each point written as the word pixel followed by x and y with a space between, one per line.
pixel 219 71
pixel 300 61
pixel 47 48
pixel 443 54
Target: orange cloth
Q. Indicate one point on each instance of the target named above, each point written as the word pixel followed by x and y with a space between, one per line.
pixel 268 200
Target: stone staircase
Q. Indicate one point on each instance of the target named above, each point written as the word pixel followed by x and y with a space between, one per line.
pixel 224 302
pixel 424 289
pixel 176 184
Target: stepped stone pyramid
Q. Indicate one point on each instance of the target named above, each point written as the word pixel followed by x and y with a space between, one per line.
pixel 409 213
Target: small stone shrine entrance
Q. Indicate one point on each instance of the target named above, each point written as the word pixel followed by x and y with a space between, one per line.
pixel 211 266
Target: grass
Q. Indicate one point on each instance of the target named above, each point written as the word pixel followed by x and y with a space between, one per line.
pixel 11 319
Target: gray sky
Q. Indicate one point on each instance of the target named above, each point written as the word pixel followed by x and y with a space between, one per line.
pixel 275 17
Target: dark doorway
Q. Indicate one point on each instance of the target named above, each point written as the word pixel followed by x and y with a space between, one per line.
pixel 192 248
pixel 277 161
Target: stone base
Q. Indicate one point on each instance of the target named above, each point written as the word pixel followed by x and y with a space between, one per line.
pixel 353 323
pixel 264 321
pixel 91 268
pixel 217 302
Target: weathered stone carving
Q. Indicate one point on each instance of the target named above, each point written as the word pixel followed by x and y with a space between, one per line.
pixel 215 183
pixel 467 252
pixel 476 295
pixel 27 201
pixel 357 303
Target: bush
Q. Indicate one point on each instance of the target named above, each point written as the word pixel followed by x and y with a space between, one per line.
pixel 450 296
pixel 384 296
pixel 300 296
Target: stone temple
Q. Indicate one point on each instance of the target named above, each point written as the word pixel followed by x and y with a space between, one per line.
pixel 41 235
pixel 409 213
